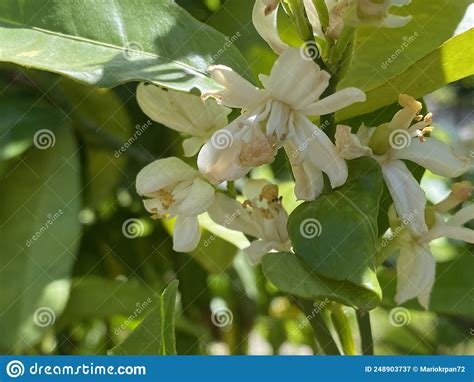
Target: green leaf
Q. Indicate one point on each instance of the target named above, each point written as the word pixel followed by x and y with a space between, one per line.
pixel 450 62
pixel 95 297
pixel 110 42
pixel 40 231
pixel 336 234
pixel 290 275
pixel 381 54
pixel 21 119
pixel 104 111
pixel 229 20
pixel 155 334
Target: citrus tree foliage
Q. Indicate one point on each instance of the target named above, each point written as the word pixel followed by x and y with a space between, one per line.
pixel 176 174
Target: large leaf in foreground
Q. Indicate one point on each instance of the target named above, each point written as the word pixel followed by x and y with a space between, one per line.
pixel 155 335
pixel 450 62
pixel 109 42
pixel 40 233
pixel 381 54
pixel 288 273
pixel 335 236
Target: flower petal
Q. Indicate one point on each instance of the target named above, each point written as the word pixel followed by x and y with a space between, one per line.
pixel 349 145
pixel 162 173
pixel 219 159
pixel 415 274
pixel 393 21
pixel 192 145
pixel 404 117
pixel 309 181
pixel 455 233
pixel 199 199
pixel 313 17
pixel 186 233
pixel 335 102
pixel 237 92
pixel 463 216
pixel 321 151
pixel 252 188
pixel 257 249
pixel 182 112
pixel 296 81
pixel 408 197
pixel 436 156
pixel 230 214
pixel 264 18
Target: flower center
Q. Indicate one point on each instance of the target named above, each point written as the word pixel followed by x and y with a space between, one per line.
pixel 166 198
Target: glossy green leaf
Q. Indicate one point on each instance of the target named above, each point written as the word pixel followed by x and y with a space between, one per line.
pixel 450 62
pixel 105 114
pixel 21 118
pixel 109 42
pixel 155 334
pixel 40 231
pixel 95 297
pixel 290 275
pixel 336 234
pixel 381 54
pixel 229 21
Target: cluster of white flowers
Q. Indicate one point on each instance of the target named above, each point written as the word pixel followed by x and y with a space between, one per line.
pixel 281 114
